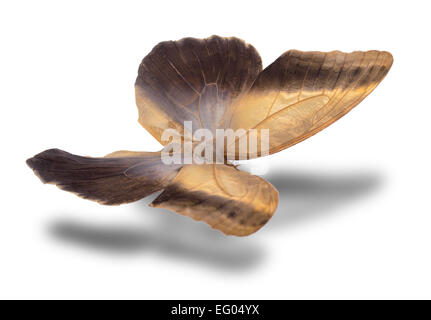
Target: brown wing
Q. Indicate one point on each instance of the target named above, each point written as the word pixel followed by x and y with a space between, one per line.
pixel 302 93
pixel 232 201
pixel 193 80
pixel 120 177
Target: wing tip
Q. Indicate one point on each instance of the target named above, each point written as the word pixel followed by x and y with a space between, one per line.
pixel 389 58
pixel 39 163
pixel 34 165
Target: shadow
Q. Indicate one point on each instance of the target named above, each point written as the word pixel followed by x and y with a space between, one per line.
pixel 166 234
pixel 307 196
pixel 304 196
pixel 114 239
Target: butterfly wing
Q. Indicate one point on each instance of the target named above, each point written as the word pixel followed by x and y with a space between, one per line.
pixel 302 93
pixel 120 177
pixel 232 201
pixel 193 80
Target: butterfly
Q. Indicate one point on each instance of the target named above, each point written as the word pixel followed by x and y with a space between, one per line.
pixel 218 83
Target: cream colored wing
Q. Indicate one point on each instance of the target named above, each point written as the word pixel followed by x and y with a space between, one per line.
pixel 302 93
pixel 232 201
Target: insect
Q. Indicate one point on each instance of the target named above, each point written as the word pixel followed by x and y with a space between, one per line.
pixel 218 83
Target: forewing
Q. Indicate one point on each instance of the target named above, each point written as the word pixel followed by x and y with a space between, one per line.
pixel 193 80
pixel 302 93
pixel 232 201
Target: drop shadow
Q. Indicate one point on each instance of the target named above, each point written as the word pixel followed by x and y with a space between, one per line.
pixel 165 234
pixel 306 196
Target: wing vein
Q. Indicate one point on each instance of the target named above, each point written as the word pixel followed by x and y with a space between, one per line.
pixel 182 77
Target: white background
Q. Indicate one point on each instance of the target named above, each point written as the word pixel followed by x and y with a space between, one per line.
pixel 354 214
